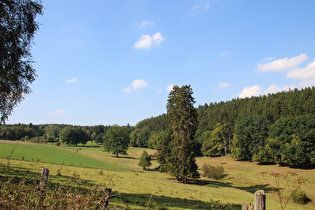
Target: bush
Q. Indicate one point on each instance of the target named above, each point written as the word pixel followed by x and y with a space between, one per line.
pixel 300 197
pixel 145 160
pixel 212 172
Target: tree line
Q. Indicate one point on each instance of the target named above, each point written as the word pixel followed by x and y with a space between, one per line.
pixel 273 128
pixel 69 134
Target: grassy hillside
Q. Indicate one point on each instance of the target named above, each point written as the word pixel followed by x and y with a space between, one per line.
pixel 51 154
pixel 136 188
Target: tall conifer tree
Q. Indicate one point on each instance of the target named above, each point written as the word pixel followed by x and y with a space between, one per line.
pixel 179 159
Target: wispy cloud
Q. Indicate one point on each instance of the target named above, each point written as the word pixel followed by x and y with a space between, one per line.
pixel 224 54
pixel 72 80
pixel 224 85
pixel 285 64
pixel 147 41
pixel 201 7
pixel 59 112
pixel 138 83
pixel 145 23
pixel 257 90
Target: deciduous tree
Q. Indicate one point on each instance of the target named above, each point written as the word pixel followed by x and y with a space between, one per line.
pixel 116 140
pixel 17 29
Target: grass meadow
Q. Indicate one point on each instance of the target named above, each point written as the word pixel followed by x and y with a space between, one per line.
pixel 137 189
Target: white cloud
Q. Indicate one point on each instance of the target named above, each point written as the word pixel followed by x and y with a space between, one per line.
pixel 157 38
pixel 224 84
pixel 72 80
pixel 59 112
pixel 169 87
pixel 285 64
pixel 144 42
pixel 147 41
pixel 201 7
pixel 306 75
pixel 256 90
pixel 145 23
pixel 138 83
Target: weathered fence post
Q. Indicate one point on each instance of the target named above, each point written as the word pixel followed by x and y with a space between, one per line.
pixel 108 191
pixel 260 200
pixel 44 177
pixel 247 206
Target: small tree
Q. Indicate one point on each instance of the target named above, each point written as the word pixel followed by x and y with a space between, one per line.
pixel 145 160
pixel 116 140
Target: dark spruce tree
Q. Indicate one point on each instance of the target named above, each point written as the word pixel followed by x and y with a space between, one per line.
pixel 177 151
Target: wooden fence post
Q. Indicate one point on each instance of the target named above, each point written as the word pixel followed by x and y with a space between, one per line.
pixel 247 206
pixel 44 177
pixel 260 200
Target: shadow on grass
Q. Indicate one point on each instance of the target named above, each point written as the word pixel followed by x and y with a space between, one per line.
pixel 218 184
pixel 16 174
pixel 124 157
pixel 163 202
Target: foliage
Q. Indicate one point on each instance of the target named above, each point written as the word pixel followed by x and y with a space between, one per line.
pixel 155 138
pixel 139 137
pixel 73 135
pixel 116 140
pixel 213 142
pixel 250 134
pixel 30 196
pixel 145 160
pixel 295 140
pixel 17 29
pixel 182 121
pixel 210 171
pixel 300 197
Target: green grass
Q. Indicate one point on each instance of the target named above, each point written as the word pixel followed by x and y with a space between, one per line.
pixel 135 188
pixel 52 154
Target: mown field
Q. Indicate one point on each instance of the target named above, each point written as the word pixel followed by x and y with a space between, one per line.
pixel 137 189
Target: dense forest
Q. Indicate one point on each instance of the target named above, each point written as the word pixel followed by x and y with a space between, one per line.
pixel 273 128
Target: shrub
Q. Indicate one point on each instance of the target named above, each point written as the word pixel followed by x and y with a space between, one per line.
pixel 212 172
pixel 300 197
pixel 145 160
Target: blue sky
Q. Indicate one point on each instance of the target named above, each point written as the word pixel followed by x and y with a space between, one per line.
pixel 113 62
